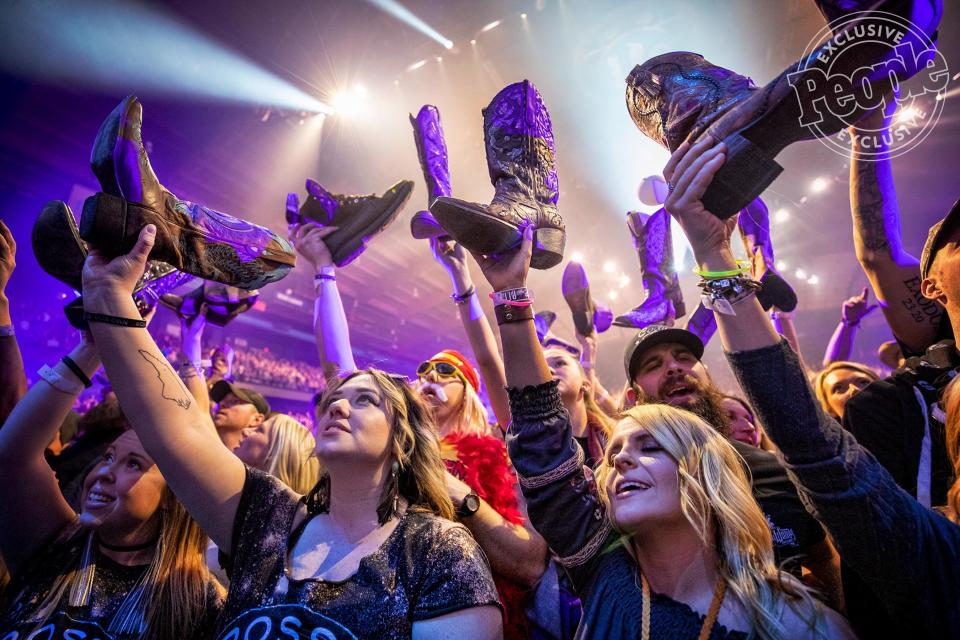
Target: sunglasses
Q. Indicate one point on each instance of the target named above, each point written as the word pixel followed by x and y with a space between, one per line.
pixel 443 369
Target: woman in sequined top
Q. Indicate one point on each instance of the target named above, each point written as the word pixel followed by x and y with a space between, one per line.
pixel 129 565
pixel 669 541
pixel 369 553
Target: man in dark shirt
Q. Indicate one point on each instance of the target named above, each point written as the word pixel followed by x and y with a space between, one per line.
pixel 663 365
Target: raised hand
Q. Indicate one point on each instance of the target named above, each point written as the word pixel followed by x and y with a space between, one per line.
pixel 307 239
pixel 508 270
pixel 449 253
pixel 857 308
pixel 8 256
pixel 119 274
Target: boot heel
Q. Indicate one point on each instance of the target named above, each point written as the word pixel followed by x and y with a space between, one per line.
pixel 748 170
pixel 103 223
pixel 548 246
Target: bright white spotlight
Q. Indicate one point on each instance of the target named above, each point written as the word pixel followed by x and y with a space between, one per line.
pixel 819 184
pixel 781 265
pixel 416 65
pixel 576 256
pixel 473 42
pixel 612 295
pixel 801 274
pixel 813 280
pixel 360 90
pixel 624 280
pixel 403 14
pixel 491 26
pixel 781 215
pixel 609 267
pixel 907 115
pixel 523 16
pixel 439 58
pixel 350 103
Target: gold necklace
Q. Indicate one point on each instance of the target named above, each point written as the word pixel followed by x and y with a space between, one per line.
pixel 718 594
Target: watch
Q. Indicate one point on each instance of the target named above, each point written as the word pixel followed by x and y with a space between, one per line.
pixel 469 506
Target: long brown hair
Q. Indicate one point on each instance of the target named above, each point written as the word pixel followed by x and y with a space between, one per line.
pixel 415 449
pixel 951 401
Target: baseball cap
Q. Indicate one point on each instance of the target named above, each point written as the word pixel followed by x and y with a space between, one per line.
pixel 222 388
pixel 937 236
pixel 653 335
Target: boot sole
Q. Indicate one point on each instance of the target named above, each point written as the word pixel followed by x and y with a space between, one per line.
pixel 422 229
pixel 57 244
pixel 351 243
pixel 474 228
pixel 776 292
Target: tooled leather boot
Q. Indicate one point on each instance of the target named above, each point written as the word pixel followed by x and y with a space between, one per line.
pixel 588 315
pixel 432 152
pixel 702 323
pixel 775 291
pixel 521 158
pixel 679 96
pixel 190 237
pixel 358 218
pixel 218 303
pixel 654 245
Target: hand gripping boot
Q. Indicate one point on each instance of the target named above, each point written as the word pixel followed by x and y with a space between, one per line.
pixel 521 158
pixel 681 96
pixel 432 153
pixel 358 218
pixel 190 237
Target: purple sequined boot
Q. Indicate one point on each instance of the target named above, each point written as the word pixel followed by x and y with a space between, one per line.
pixel 654 245
pixel 679 96
pixel 190 237
pixel 702 323
pixel 521 158
pixel 775 291
pixel 432 152
pixel 358 218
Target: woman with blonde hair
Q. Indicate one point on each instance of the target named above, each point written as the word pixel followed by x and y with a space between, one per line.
pixel 839 381
pixel 369 552
pixel 284 448
pixel 668 542
pixel 128 565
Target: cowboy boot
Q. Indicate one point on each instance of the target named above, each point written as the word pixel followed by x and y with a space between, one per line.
pixel 588 316
pixel 775 291
pixel 191 237
pixel 542 321
pixel 702 323
pixel 57 244
pixel 681 96
pixel 654 245
pixel 358 218
pixel 521 158
pixel 223 303
pixel 432 152
pixel 187 305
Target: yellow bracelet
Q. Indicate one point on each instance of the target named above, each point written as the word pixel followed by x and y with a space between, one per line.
pixel 744 266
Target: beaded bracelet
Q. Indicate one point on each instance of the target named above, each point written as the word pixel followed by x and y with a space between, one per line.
pixel 465 296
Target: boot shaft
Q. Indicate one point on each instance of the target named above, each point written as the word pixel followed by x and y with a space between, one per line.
pixel 754 224
pixel 654 244
pixel 432 151
pixel 521 155
pixel 677 95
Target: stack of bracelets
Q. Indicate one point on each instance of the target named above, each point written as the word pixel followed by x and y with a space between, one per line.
pixel 513 305
pixel 723 289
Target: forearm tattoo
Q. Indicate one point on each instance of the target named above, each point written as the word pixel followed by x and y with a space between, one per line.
pixel 171 388
pixel 872 207
pixel 922 310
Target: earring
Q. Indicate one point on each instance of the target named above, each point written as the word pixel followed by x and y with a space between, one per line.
pixel 389 505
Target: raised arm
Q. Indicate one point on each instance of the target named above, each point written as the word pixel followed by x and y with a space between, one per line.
pixel 881 531
pixel 453 259
pixel 13 381
pixel 191 346
pixel 588 360
pixel 30 497
pixel 894 274
pixel 174 429
pixel 852 312
pixel 329 319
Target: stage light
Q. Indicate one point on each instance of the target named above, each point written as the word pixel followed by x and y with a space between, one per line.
pixel 122 45
pixel 781 215
pixel 491 26
pixel 416 65
pixel 609 267
pixel 473 42
pixel 349 103
pixel 439 58
pixel 781 265
pixel 813 280
pixel 818 185
pixel 624 280
pixel 523 16
pixel 612 295
pixel 801 274
pixel 406 16
pixel 576 256
pixel 908 115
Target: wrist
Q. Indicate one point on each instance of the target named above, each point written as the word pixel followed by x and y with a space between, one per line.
pixel 461 282
pixel 718 258
pixel 109 301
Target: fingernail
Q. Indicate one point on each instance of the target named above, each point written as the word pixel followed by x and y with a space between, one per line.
pixel 150 229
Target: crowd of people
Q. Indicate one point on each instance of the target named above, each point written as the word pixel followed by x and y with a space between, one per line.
pixel 505 493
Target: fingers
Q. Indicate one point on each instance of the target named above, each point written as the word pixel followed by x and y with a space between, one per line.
pixel 688 158
pixel 7 236
pixel 321 232
pixel 675 158
pixel 865 294
pixel 144 245
pixel 685 179
pixel 526 245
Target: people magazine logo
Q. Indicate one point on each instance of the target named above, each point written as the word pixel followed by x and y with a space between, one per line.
pixel 874 45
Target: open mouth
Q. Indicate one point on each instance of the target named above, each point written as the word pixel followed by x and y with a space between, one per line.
pixel 626 487
pixel 433 394
pixel 98 499
pixel 679 390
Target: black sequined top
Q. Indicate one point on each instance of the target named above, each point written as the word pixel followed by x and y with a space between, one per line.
pixel 427 567
pixel 111 583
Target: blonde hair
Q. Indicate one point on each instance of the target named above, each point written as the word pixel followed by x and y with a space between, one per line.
pixel 820 381
pixel 173 600
pixel 290 453
pixel 716 500
pixel 951 401
pixel 472 416
pixel 415 449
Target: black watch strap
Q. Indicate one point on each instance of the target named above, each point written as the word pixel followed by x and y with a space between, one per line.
pixel 469 506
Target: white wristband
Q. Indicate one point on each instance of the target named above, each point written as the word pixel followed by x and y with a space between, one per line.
pixel 58 382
